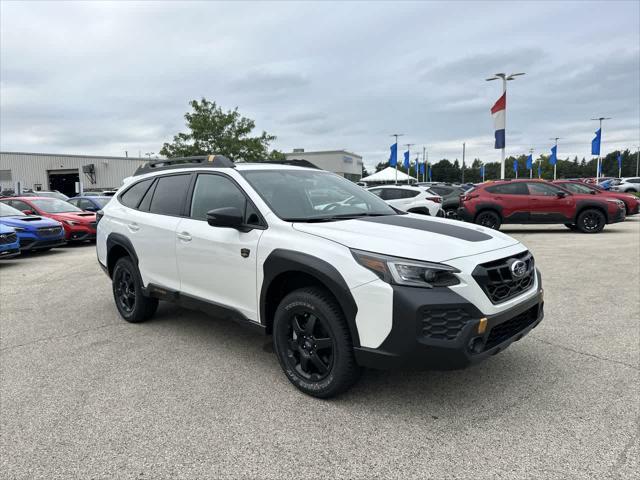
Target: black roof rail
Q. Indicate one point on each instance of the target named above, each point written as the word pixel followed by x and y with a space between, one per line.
pixel 211 161
pixel 294 163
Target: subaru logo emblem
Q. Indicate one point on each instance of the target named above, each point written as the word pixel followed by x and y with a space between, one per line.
pixel 518 268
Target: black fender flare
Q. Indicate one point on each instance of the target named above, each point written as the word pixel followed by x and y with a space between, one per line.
pixel 282 261
pixel 582 205
pixel 117 239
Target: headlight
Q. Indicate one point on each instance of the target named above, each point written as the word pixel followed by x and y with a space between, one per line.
pixel 407 272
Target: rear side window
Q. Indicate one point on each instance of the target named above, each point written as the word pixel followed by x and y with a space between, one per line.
pixel 169 194
pixel 515 188
pixel 131 198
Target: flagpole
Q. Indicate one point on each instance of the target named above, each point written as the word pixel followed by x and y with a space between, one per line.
pixel 424 162
pixel 598 162
pixel 531 169
pixel 556 163
pixel 397 135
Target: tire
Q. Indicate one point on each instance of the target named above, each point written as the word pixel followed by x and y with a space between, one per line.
pixel 451 213
pixel 313 344
pixel 489 219
pixel 131 303
pixel 591 221
pixel 629 190
pixel 571 226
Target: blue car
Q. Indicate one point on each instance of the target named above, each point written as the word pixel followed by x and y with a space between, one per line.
pixel 9 243
pixel 90 203
pixel 34 233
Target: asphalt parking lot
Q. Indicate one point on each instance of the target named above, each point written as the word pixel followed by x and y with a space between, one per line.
pixel 87 395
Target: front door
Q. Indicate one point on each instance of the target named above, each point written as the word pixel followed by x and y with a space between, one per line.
pixel 219 264
pixel 549 204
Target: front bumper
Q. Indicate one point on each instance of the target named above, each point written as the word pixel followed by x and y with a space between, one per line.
pixel 30 242
pixel 619 216
pixel 9 250
pixel 464 215
pixel 79 233
pixel 438 329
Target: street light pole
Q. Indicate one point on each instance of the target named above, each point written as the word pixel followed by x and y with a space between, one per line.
pixel 464 146
pixel 397 135
pixel 424 162
pixel 531 169
pixel 505 78
pixel 637 159
pixel 599 119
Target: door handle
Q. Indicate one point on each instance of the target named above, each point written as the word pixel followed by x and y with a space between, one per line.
pixel 184 236
pixel 134 227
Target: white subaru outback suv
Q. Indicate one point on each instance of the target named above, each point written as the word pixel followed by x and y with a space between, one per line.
pixel 411 199
pixel 342 285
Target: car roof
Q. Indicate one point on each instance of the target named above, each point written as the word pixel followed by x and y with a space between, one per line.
pixel 28 199
pixel 404 187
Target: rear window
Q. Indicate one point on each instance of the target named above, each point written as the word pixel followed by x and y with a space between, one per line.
pixel 131 198
pixel 169 195
pixel 515 188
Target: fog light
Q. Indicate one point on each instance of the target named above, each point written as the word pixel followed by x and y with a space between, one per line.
pixel 482 326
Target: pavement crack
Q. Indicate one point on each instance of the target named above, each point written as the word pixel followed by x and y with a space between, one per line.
pixel 586 354
pixel 622 457
pixel 54 337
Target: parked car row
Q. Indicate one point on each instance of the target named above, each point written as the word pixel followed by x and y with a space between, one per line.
pixel 42 223
pixel 577 205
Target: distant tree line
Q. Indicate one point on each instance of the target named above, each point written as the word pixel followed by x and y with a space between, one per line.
pixel 447 171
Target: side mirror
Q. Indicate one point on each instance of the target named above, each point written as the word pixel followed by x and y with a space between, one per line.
pixel 28 212
pixel 229 217
pixel 592 192
pixel 561 194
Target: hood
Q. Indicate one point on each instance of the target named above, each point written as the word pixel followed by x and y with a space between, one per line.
pixel 83 217
pixel 29 221
pixel 411 236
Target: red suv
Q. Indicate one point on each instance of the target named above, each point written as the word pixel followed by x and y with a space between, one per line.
pixel 78 225
pixel 538 201
pixel 631 202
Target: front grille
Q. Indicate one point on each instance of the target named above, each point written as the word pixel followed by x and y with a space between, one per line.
pixel 7 238
pixel 49 231
pixel 498 281
pixel 443 323
pixel 510 328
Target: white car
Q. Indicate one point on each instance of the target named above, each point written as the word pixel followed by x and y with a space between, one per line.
pixel 410 199
pixel 629 184
pixel 339 285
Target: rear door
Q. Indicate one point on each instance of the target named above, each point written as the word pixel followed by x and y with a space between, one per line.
pixel 219 264
pixel 550 204
pixel 512 198
pixel 153 229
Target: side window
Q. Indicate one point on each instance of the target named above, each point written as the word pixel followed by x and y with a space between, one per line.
pixel 85 204
pixel 169 194
pixel 409 193
pixel 377 192
pixel 634 180
pixel 538 188
pixel 216 191
pixel 74 201
pixel 19 205
pixel 392 194
pixel 131 198
pixel 514 188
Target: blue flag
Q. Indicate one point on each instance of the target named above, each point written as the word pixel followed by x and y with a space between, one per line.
pixel 422 168
pixel 595 143
pixel 393 157
pixel 406 160
pixel 515 166
pixel 619 161
pixel 530 162
pixel 553 159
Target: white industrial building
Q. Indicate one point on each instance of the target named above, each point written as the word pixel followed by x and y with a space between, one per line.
pixel 46 171
pixel 342 162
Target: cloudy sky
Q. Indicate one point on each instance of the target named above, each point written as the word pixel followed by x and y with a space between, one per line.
pixel 105 78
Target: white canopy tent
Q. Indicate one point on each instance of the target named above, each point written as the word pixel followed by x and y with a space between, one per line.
pixel 388 175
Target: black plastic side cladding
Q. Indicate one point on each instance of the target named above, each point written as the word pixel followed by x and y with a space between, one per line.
pixel 120 240
pixel 281 261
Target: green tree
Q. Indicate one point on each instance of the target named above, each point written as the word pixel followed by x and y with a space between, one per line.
pixel 212 130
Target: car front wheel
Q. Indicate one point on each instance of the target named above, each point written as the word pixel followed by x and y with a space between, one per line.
pixel 132 304
pixel 591 221
pixel 313 344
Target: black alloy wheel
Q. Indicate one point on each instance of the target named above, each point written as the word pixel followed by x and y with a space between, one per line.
pixel 313 344
pixel 488 219
pixel 128 294
pixel 125 290
pixel 591 221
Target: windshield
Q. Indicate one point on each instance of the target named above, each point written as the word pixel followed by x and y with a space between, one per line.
pixel 577 188
pixel 8 211
pixel 58 195
pixel 306 195
pixel 101 201
pixel 53 205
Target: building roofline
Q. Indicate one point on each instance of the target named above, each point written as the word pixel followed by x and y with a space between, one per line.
pixel 323 151
pixel 73 155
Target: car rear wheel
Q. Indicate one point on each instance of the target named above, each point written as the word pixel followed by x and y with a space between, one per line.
pixel 591 221
pixel 132 304
pixel 489 219
pixel 313 344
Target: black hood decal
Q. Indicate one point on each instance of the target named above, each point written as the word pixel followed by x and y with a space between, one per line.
pixel 448 229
